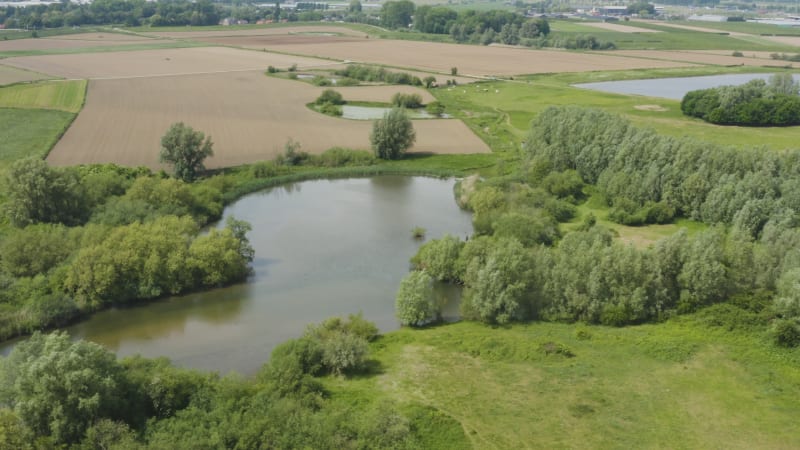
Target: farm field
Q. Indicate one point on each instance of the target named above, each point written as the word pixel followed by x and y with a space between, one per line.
pixel 471 60
pixel 73 41
pixel 11 75
pixel 620 28
pixel 148 63
pixel 238 111
pixel 698 57
pixel 60 95
pixel 261 31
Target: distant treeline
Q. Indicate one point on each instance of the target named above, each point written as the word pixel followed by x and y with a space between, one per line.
pixel 755 103
pixel 141 12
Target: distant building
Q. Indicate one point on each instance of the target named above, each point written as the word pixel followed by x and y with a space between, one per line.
pixel 610 11
pixel 708 18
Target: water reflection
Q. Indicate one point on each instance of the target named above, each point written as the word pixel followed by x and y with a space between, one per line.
pixel 324 248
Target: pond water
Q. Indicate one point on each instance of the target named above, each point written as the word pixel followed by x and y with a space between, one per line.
pixel 673 88
pixel 377 112
pixel 323 248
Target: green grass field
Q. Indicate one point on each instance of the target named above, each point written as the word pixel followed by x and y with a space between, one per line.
pixel 60 95
pixel 681 384
pixel 501 111
pixel 29 132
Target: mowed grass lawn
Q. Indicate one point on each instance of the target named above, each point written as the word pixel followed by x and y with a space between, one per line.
pixel 512 105
pixel 59 95
pixel 681 384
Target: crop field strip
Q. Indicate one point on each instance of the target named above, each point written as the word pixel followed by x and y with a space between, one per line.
pixel 248 115
pixel 470 60
pixel 184 61
pixel 696 57
pixel 295 30
pixel 12 75
pixel 73 41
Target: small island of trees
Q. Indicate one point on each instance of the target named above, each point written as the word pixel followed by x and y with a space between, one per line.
pixel 755 103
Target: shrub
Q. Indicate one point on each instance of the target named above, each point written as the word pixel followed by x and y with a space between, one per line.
pixel 330 96
pixel 435 109
pixel 786 332
pixel 409 101
pixel 415 303
pixel 330 109
pixel 319 80
pixel 272 69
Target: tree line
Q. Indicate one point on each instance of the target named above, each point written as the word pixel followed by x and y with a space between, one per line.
pixel 755 103
pixel 745 266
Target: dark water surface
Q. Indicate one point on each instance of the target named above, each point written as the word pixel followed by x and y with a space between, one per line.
pixel 323 248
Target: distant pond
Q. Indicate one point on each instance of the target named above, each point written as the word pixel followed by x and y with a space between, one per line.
pixel 673 88
pixel 323 248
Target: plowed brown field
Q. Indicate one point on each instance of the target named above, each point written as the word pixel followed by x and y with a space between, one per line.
pixel 11 75
pixel 701 58
pixel 470 59
pixel 72 41
pixel 181 61
pixel 258 32
pixel 248 115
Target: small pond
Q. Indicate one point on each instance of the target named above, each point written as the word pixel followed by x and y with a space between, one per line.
pixel 673 88
pixel 377 112
pixel 323 248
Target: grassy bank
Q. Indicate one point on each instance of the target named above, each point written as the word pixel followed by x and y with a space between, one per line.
pixel 500 111
pixel 680 384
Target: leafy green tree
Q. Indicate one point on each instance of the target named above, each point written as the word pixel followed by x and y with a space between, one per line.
pixel 345 352
pixel 498 288
pixel 39 193
pixel 415 303
pixel 438 258
pixel 185 149
pixel 397 13
pixel 59 388
pixel 355 6
pixel 330 96
pixel 392 135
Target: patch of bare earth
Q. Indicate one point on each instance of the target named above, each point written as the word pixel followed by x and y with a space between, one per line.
pixel 73 41
pixel 698 58
pixel 259 32
pixel 248 115
pixel 11 75
pixel 471 60
pixel 179 61
pixel 657 108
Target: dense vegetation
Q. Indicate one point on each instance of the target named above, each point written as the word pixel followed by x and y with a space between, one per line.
pixel 755 103
pixel 87 237
pixel 747 265
pixel 55 392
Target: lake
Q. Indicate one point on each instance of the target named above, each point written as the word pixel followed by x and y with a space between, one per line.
pixel 673 88
pixel 323 248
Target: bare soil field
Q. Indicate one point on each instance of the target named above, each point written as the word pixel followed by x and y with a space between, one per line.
pixel 471 60
pixel 11 75
pixel 267 31
pixel 700 57
pixel 72 41
pixel 790 40
pixel 248 115
pixel 180 61
pixel 265 41
pixel 619 28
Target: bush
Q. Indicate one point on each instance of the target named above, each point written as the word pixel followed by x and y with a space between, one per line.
pixel 330 109
pixel 272 69
pixel 415 303
pixel 409 101
pixel 339 157
pixel 320 80
pixel 330 96
pixel 435 109
pixel 786 332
